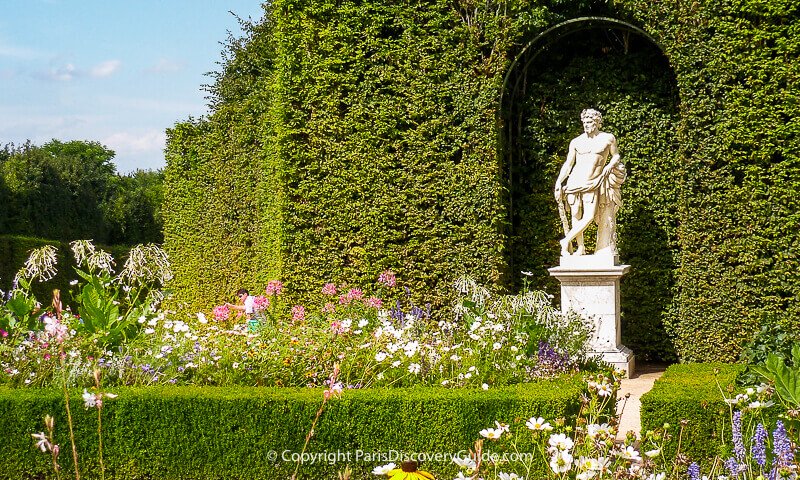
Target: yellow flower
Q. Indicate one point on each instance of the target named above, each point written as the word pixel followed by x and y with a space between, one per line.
pixel 408 471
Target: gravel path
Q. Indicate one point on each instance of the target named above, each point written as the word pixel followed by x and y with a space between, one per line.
pixel 643 378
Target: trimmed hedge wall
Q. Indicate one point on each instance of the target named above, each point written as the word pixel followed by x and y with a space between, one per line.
pixel 361 136
pixel 192 432
pixel 689 392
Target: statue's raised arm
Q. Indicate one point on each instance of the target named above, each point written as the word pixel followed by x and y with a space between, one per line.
pixel 593 174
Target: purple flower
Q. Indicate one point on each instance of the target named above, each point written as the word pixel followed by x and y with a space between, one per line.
pixel 738 444
pixel 782 446
pixel 759 447
pixel 548 357
pixel 694 471
pixel 733 467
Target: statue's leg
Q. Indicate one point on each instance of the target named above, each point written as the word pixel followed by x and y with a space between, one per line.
pixel 579 225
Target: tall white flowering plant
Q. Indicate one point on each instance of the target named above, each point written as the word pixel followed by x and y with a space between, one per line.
pixel 109 305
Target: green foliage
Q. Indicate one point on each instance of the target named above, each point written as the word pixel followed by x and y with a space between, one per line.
pixel 190 432
pixel 786 379
pixel 689 399
pixel 353 137
pixel 771 339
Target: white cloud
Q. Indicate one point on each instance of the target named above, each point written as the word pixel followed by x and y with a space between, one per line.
pixel 18 52
pixel 165 66
pixel 63 73
pixel 105 69
pixel 128 143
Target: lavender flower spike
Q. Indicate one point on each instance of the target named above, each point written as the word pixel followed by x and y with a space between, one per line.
pixel 738 444
pixel 759 447
pixel 694 471
pixel 782 446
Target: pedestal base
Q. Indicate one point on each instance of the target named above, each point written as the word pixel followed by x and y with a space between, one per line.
pixel 622 359
pixel 590 287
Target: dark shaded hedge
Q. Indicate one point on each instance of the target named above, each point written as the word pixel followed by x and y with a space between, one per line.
pixel 350 137
pixel 214 432
pixel 14 251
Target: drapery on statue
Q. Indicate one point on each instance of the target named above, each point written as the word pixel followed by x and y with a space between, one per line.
pixel 592 191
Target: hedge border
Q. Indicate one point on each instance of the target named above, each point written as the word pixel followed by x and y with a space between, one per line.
pixel 213 432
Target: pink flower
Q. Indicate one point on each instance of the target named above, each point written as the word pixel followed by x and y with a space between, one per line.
pixel 55 330
pixel 329 289
pixel 336 326
pixel 274 287
pixel 298 313
pixel 221 313
pixel 388 278
pixel 261 303
pixel 355 294
pixel 344 299
pixel 3 333
pixel 373 302
pixel 329 308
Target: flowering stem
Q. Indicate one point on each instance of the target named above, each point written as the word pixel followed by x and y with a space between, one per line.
pixel 308 437
pixel 100 443
pixel 69 417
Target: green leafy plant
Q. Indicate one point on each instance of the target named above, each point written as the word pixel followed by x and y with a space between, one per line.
pixel 785 378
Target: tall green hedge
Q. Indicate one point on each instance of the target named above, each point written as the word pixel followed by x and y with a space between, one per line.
pixel 251 433
pixel 361 136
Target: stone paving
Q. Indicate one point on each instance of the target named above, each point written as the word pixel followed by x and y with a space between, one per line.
pixel 642 381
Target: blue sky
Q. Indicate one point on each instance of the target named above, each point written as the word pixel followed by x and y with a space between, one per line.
pixel 119 72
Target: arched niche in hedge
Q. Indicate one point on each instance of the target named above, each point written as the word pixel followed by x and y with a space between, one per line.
pixel 618 68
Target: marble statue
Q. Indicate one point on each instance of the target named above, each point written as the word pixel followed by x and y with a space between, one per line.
pixel 592 190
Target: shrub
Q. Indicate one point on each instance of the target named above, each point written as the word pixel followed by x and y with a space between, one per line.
pixel 213 432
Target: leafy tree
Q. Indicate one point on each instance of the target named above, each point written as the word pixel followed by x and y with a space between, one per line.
pixel 71 190
pixel 134 210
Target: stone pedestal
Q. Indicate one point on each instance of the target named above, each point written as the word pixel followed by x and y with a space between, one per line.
pixel 590 287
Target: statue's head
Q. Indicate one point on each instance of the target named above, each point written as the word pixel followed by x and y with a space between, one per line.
pixel 592 115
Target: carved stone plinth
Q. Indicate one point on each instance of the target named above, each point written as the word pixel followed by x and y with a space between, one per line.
pixel 590 287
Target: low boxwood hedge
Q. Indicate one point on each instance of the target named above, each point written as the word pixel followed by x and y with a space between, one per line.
pixel 690 396
pixel 253 433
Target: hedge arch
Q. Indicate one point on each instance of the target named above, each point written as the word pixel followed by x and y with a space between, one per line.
pixel 545 89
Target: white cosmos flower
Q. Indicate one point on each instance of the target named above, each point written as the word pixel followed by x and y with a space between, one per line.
pixel 561 461
pixel 383 469
pixel 538 424
pixel 485 386
pixel 630 453
pixel 560 442
pixel 363 323
pixel 604 389
pixel 396 363
pixel 508 476
pixel 414 368
pixel 492 433
pixel 497 346
pixel 465 462
pixel 380 356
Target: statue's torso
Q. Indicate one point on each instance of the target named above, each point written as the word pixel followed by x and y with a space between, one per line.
pixel 591 154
